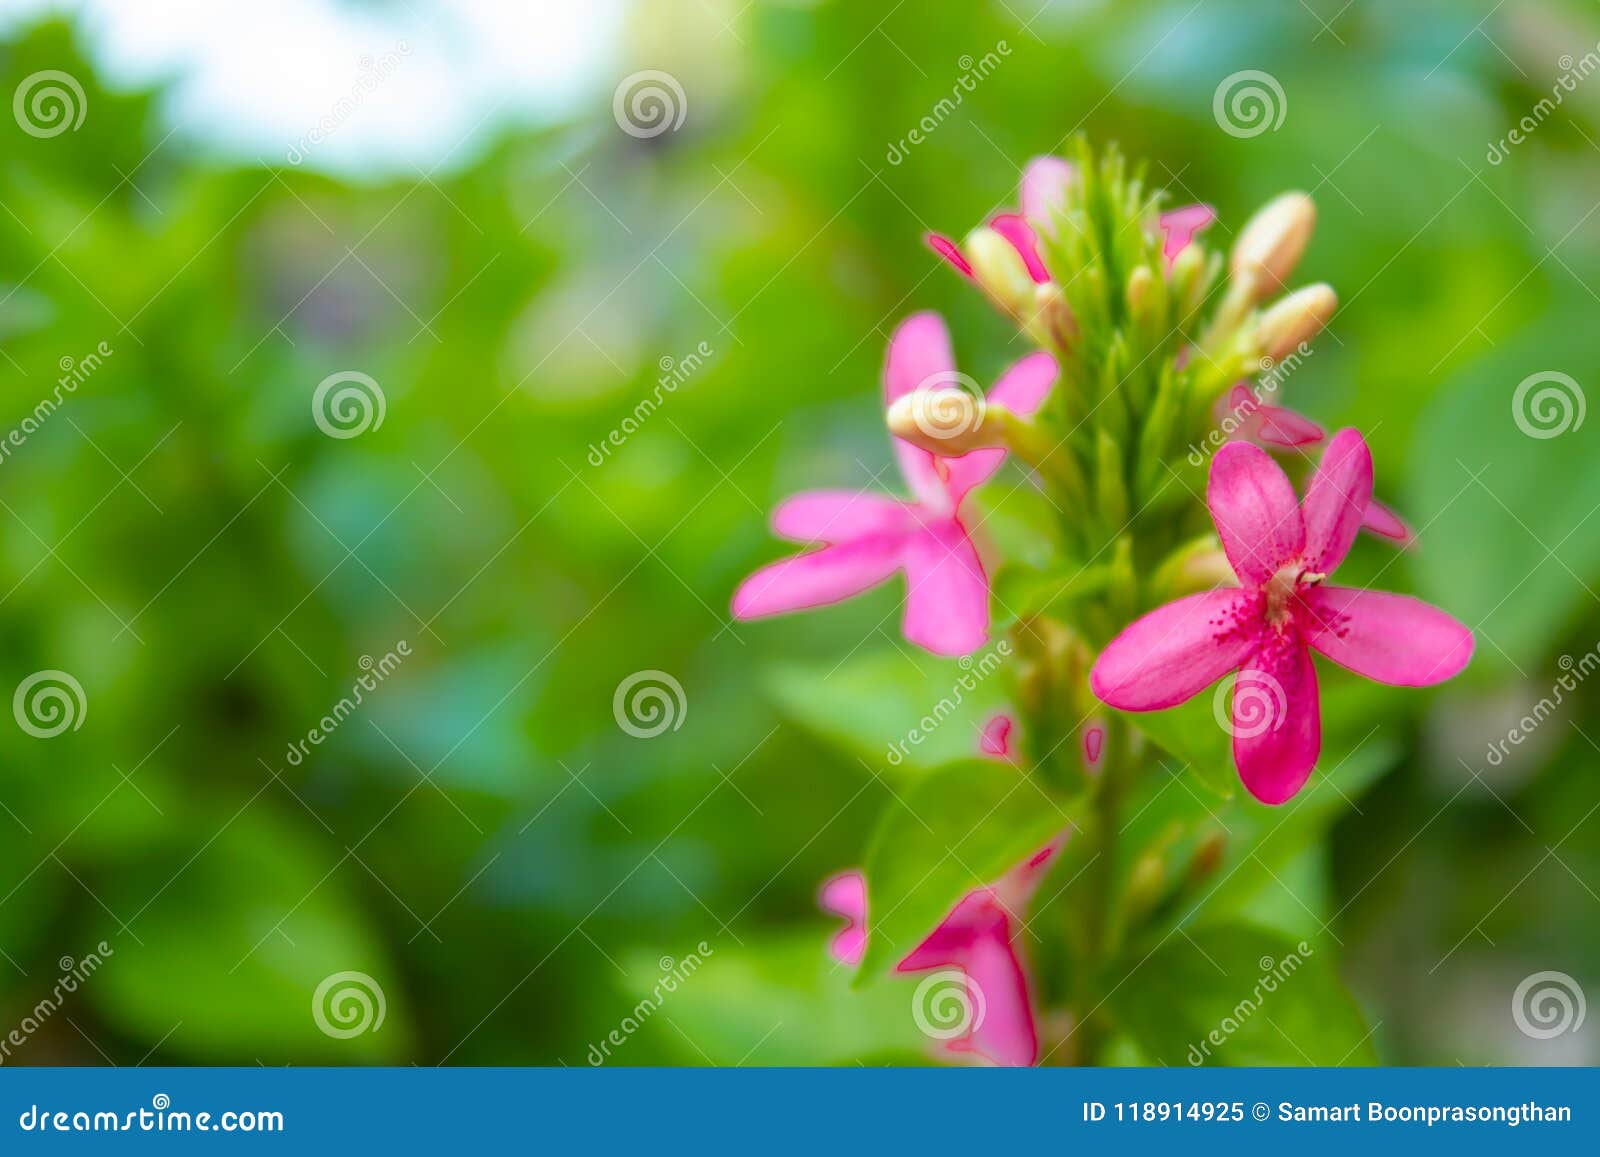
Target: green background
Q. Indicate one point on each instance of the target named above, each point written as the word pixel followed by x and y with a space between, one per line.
pixel 481 837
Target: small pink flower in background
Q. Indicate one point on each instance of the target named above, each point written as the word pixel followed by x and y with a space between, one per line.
pixel 1044 185
pixel 1094 742
pixel 1180 226
pixel 864 539
pixel 1265 629
pixel 1275 428
pixel 975 938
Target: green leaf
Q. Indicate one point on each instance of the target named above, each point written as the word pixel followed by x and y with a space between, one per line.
pixel 955 829
pixel 895 708
pixel 234 942
pixel 1234 994
pixel 1190 732
pixel 779 1000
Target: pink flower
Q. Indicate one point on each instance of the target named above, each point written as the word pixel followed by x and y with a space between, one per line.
pixel 1044 186
pixel 864 539
pixel 976 938
pixel 1045 182
pixel 1267 627
pixel 1180 226
pixel 1275 428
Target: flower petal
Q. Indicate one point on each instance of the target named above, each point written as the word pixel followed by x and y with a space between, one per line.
pixel 1022 389
pixel 947 592
pixel 1180 226
pixel 1015 229
pixel 846 895
pixel 1044 189
pixel 1256 512
pixel 920 357
pixel 1277 426
pixel 951 252
pixel 1392 638
pixel 1178 650
pixel 838 516
pixel 819 577
pixel 1277 719
pixel 1382 520
pixel 1336 500
pixel 997 988
pixel 995 739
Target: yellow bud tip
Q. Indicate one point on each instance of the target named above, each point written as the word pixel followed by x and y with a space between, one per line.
pixel 1272 242
pixel 999 268
pixel 1295 320
pixel 947 422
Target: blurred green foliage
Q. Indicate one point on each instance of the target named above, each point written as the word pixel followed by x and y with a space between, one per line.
pixel 480 837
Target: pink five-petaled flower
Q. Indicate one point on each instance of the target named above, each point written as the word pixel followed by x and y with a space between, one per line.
pixel 1267 627
pixel 866 538
pixel 975 938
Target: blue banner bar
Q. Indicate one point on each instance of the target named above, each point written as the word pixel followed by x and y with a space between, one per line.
pixel 819 1111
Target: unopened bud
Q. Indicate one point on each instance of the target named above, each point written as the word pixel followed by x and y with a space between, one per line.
pixel 947 422
pixel 1140 282
pixel 999 268
pixel 1295 320
pixel 1272 242
pixel 1053 318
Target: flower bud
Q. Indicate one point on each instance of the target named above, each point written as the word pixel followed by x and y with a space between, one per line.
pixel 947 422
pixel 1053 321
pixel 999 268
pixel 1295 320
pixel 1140 283
pixel 1272 242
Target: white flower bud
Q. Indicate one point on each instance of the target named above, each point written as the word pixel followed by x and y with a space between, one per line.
pixel 999 268
pixel 1295 320
pixel 1272 242
pixel 947 422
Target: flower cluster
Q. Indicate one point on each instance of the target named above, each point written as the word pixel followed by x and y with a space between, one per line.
pixel 1149 345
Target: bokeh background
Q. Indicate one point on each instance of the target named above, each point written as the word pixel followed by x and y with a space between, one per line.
pixel 482 237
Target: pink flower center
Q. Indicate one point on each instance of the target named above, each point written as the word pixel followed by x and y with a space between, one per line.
pixel 1283 587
